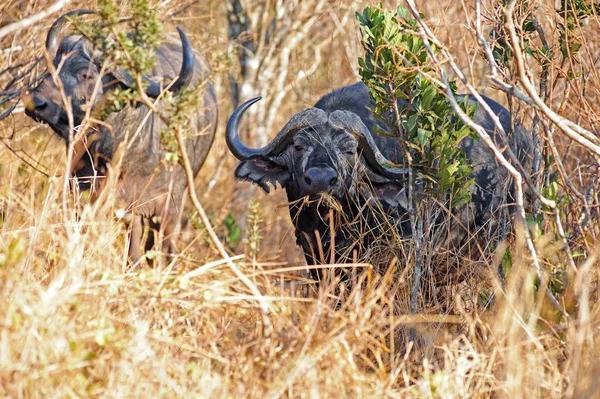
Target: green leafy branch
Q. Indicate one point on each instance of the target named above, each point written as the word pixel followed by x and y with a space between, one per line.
pixel 131 49
pixel 397 70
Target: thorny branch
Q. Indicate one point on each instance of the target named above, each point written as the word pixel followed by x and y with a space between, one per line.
pixel 215 239
pixel 512 90
pixel 571 129
pixel 27 22
pixel 427 35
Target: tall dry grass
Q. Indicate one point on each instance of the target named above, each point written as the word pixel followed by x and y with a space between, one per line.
pixel 78 321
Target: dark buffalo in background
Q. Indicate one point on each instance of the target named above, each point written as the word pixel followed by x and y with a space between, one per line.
pixel 144 181
pixel 332 148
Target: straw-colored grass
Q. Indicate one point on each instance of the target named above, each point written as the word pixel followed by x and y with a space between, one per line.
pixel 78 321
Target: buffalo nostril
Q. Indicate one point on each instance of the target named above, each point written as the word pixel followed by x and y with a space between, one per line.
pixel 39 103
pixel 320 179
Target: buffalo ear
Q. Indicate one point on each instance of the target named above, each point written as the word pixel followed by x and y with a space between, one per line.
pixel 262 171
pixel 387 191
pixel 391 193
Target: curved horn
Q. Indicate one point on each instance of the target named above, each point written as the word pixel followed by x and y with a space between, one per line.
pixel 371 153
pixel 183 79
pixel 53 38
pixel 187 63
pixel 303 119
pixel 232 136
pixel 185 74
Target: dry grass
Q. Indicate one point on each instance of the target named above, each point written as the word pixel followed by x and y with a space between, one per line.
pixel 76 321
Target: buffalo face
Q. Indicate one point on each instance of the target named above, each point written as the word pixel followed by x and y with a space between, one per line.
pixel 328 149
pixel 317 152
pixel 77 68
pixel 319 160
pixel 77 73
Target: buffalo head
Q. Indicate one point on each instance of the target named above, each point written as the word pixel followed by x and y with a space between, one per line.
pixel 78 68
pixel 316 152
pixel 320 154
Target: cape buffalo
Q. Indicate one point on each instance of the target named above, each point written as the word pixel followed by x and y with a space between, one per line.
pixel 332 148
pixel 145 185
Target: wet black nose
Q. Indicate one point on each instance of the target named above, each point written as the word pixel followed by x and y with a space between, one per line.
pixel 41 109
pixel 39 103
pixel 320 179
pixel 33 104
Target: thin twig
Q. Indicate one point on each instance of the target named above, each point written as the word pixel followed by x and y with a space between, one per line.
pixel 26 162
pixel 427 34
pixel 215 239
pixel 27 22
pixel 572 130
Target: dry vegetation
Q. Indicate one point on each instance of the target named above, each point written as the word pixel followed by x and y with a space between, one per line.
pixel 78 321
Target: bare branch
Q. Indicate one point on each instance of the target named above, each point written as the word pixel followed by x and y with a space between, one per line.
pixel 572 130
pixel 27 22
pixel 215 239
pixel 426 34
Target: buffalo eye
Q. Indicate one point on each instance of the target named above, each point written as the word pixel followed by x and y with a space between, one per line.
pixel 298 148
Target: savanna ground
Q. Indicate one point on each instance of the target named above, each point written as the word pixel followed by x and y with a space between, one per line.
pixel 78 321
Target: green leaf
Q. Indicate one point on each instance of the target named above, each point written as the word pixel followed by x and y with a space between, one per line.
pixel 423 136
pixel 411 122
pixel 402 12
pixel 235 234
pixel 463 132
pixel 400 94
pixel 428 96
pixel 452 168
pixel 366 28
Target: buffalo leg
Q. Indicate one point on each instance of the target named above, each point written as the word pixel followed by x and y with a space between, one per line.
pixel 171 232
pixel 153 228
pixel 135 238
pixel 181 219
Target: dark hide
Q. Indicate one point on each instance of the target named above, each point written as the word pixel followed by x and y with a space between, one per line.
pixel 304 169
pixel 143 185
